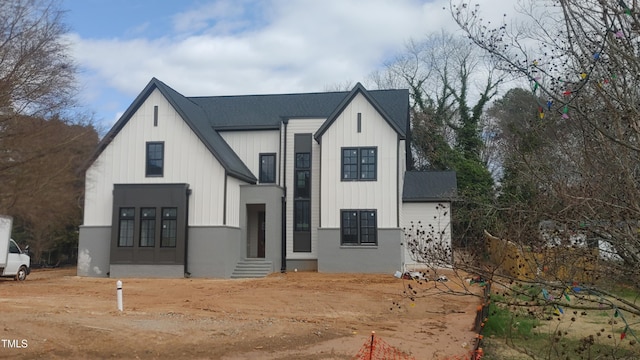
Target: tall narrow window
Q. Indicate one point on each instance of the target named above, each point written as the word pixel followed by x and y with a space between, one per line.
pixel 359 122
pixel 126 226
pixel 147 227
pixel 358 227
pixel 267 168
pixel 303 185
pixel 302 216
pixel 169 227
pixel 359 163
pixel 303 176
pixel 302 193
pixel 155 159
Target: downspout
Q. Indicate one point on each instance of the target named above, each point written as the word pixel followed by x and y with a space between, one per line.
pixel 186 235
pixel 283 246
pixel 224 200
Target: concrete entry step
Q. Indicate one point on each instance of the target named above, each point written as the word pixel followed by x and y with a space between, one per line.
pixel 252 268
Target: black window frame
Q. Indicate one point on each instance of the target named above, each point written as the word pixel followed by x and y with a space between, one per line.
pixel 126 216
pixel 151 168
pixel 303 160
pixel 169 227
pixel 147 227
pixel 302 215
pixel 302 188
pixel 358 227
pixel 352 167
pixel 268 174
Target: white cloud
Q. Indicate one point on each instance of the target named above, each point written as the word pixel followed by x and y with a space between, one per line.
pixel 239 47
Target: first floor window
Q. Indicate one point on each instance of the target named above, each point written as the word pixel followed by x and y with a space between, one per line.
pixel 147 227
pixel 126 226
pixel 358 227
pixel 302 215
pixel 169 227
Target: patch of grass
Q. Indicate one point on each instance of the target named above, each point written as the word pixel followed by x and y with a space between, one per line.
pixel 511 334
pixel 503 323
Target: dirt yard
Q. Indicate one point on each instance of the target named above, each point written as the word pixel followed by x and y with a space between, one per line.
pixel 303 316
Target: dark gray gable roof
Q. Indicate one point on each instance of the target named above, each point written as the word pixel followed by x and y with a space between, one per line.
pixel 206 115
pixel 196 118
pixel 422 186
pixel 247 112
pixel 399 122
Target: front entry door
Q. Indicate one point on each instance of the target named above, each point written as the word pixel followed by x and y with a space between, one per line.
pixel 261 233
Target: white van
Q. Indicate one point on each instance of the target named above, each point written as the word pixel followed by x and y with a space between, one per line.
pixel 13 262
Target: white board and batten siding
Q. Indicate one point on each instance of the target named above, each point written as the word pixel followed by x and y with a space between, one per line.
pixel 233 201
pixel 186 160
pixel 427 215
pixel 250 144
pixel 380 194
pixel 303 126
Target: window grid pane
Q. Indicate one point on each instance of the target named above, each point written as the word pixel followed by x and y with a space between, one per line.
pixel 368 163
pixel 155 159
pixel 267 168
pixel 126 226
pixel 349 164
pixel 169 227
pixel 302 189
pixel 368 227
pixel 147 227
pixel 303 160
pixel 302 218
pixel 349 227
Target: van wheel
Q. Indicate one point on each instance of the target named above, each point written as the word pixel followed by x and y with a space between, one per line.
pixel 22 273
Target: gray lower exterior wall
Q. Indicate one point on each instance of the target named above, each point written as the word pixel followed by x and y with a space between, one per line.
pixel 302 265
pixel 213 251
pixel 271 197
pixel 386 257
pixel 94 247
pixel 146 271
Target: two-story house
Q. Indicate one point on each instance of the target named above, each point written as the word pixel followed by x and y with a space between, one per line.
pixel 227 186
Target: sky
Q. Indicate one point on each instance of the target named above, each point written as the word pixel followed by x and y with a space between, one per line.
pixel 239 47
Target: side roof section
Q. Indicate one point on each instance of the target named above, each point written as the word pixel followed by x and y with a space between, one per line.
pixel 423 186
pixel 197 120
pixel 267 111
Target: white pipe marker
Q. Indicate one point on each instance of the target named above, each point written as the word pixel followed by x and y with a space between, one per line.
pixel 119 294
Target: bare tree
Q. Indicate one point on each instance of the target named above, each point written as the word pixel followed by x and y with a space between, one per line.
pixel 41 150
pixel 36 71
pixel 581 58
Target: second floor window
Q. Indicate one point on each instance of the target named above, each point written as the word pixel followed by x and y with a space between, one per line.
pixel 155 159
pixel 267 168
pixel 359 164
